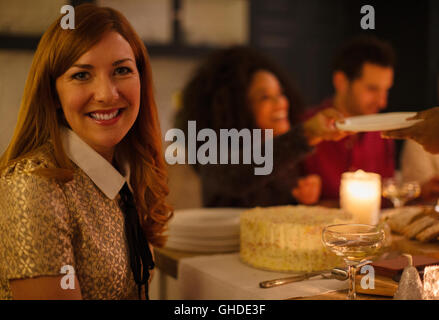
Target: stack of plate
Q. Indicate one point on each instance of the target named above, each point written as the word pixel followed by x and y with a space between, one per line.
pixel 205 230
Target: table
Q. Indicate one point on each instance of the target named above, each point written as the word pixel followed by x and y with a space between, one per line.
pixel 167 262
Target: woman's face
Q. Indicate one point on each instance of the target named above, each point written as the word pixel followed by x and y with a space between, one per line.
pixel 268 103
pixel 100 93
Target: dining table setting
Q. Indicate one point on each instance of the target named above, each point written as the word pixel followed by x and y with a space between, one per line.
pixel 352 248
pixel 203 255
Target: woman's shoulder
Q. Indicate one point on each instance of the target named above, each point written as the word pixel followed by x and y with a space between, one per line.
pixel 41 158
pixel 24 189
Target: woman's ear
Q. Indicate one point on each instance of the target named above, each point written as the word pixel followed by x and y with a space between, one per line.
pixel 340 81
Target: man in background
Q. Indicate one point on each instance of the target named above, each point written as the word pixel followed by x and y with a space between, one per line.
pixel 362 78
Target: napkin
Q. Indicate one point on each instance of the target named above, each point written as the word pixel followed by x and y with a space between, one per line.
pixel 226 277
pixel 392 268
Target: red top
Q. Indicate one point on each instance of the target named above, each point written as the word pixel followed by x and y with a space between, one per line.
pixel 366 151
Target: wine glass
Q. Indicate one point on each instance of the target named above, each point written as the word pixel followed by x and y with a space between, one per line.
pixel 399 192
pixel 354 243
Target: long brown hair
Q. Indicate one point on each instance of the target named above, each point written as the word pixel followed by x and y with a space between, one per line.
pixel 40 117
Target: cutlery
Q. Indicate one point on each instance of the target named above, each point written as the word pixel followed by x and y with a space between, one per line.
pixel 295 278
pixel 336 273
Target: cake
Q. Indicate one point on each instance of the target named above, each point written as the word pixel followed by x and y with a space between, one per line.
pixel 288 238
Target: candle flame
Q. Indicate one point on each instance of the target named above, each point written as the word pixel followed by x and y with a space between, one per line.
pixel 362 190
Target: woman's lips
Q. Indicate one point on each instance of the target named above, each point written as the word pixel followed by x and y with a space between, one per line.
pixel 105 117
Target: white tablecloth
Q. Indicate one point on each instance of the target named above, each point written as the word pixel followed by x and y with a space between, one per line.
pixel 225 277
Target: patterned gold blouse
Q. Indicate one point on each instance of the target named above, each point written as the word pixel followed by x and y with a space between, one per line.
pixel 45 225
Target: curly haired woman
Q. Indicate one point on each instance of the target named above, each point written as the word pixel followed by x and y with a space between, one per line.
pixel 241 88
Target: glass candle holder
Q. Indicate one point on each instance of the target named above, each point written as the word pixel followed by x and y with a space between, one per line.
pixel 360 195
pixel 431 283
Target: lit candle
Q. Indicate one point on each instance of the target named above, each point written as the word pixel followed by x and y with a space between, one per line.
pixel 431 283
pixel 360 195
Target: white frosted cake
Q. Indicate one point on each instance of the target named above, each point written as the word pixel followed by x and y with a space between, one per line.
pixel 288 238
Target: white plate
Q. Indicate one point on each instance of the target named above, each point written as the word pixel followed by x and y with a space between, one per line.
pixel 219 242
pixel 205 223
pixel 200 248
pixel 377 122
pixel 388 213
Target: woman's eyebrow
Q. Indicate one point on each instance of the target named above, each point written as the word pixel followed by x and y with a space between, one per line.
pixel 84 66
pixel 89 66
pixel 121 61
pixel 260 90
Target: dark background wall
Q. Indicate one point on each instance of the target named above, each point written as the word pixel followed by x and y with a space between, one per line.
pixel 303 36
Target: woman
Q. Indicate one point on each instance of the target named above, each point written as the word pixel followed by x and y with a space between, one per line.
pixel 240 88
pixel 87 130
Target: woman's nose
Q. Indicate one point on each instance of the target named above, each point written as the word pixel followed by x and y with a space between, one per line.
pixel 105 90
pixel 281 102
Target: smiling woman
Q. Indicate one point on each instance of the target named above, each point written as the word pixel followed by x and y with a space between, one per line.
pixel 84 164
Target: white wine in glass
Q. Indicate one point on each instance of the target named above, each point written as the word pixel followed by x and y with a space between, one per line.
pixel 400 192
pixel 354 243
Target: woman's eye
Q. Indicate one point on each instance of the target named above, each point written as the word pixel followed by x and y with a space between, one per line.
pixel 81 76
pixel 122 71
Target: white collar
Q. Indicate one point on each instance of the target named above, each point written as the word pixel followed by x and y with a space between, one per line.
pixel 96 167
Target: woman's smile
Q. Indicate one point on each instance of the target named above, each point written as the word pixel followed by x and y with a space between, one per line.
pixel 106 117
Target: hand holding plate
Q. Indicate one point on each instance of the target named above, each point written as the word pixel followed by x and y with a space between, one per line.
pixel 322 127
pixel 425 132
